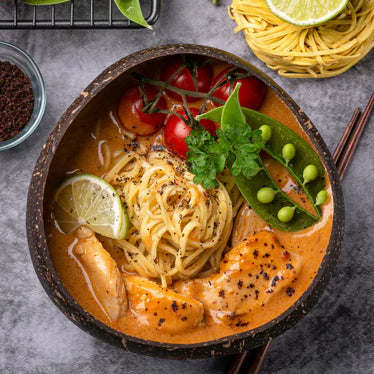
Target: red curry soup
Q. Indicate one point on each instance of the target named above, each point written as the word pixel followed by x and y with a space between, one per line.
pixel 196 228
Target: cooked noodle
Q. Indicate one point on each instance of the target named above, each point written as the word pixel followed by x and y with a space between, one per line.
pixel 178 229
pixel 303 52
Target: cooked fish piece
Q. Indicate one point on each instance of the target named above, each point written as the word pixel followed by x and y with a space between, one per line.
pixel 161 308
pixel 250 274
pixel 102 271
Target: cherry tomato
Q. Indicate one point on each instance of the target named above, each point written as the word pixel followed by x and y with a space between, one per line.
pixel 176 130
pixel 131 115
pixel 184 80
pixel 251 93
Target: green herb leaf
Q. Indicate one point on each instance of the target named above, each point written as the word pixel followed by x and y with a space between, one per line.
pixel 131 9
pixel 237 146
pixel 205 158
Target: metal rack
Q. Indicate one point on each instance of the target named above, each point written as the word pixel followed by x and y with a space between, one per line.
pixel 75 14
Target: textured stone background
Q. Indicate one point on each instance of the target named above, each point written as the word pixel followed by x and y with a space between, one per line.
pixel 336 337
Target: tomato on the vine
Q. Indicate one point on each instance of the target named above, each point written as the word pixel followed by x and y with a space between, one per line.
pixel 133 118
pixel 251 93
pixel 176 131
pixel 184 80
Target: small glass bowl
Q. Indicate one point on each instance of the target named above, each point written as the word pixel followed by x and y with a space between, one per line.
pixel 16 56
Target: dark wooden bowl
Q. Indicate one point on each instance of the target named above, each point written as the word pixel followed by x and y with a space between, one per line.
pixel 48 174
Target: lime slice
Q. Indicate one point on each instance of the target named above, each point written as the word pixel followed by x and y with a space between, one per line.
pixel 88 200
pixel 306 12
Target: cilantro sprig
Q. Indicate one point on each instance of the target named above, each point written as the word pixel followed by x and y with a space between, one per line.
pixel 236 145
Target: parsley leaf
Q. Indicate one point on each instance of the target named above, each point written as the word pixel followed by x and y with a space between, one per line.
pixel 236 147
pixel 205 158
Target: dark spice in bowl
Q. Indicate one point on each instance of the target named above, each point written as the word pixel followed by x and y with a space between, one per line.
pixel 16 100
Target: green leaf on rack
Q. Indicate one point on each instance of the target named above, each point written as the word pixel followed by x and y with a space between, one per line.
pixel 131 9
pixel 44 2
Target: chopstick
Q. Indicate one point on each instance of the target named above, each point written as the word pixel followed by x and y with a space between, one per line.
pixel 339 150
pixel 250 362
pixel 345 149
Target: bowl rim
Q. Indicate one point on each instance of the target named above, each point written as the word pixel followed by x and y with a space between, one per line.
pixel 29 128
pixel 213 348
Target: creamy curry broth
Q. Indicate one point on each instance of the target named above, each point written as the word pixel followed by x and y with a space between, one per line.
pixel 310 243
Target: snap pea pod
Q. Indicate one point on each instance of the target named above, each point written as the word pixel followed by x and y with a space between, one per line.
pixel 280 136
pixel 305 155
pixel 129 8
pixel 249 187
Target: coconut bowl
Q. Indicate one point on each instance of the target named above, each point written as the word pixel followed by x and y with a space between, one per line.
pixel 48 174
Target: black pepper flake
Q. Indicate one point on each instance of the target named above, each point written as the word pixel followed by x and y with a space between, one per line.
pixel 290 291
pixel 183 305
pixel 161 321
pixel 184 319
pixel 269 291
pixel 134 145
pixel 174 306
pixel 255 253
pixel 240 284
pixel 221 293
pixel 289 266
pixel 241 324
pixel 274 281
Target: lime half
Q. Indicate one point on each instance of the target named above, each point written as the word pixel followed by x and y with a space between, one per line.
pixel 88 200
pixel 306 12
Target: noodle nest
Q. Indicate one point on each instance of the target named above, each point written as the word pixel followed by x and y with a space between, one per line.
pixel 306 52
pixel 178 229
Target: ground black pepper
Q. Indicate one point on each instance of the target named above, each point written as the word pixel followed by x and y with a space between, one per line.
pixel 16 100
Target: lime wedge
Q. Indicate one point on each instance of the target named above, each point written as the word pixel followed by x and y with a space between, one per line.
pixel 88 200
pixel 306 12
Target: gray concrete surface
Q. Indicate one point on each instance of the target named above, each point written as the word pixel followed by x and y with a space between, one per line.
pixel 336 337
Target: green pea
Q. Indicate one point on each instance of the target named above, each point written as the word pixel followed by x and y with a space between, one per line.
pixel 321 197
pixel 310 173
pixel 286 213
pixel 265 132
pixel 265 195
pixel 288 152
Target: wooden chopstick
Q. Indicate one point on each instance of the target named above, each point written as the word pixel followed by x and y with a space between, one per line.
pixel 353 140
pixel 250 362
pixel 346 135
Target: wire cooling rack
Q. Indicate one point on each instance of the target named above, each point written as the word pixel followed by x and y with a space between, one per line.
pixel 75 14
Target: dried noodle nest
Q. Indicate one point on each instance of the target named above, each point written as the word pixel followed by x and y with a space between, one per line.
pixel 307 52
